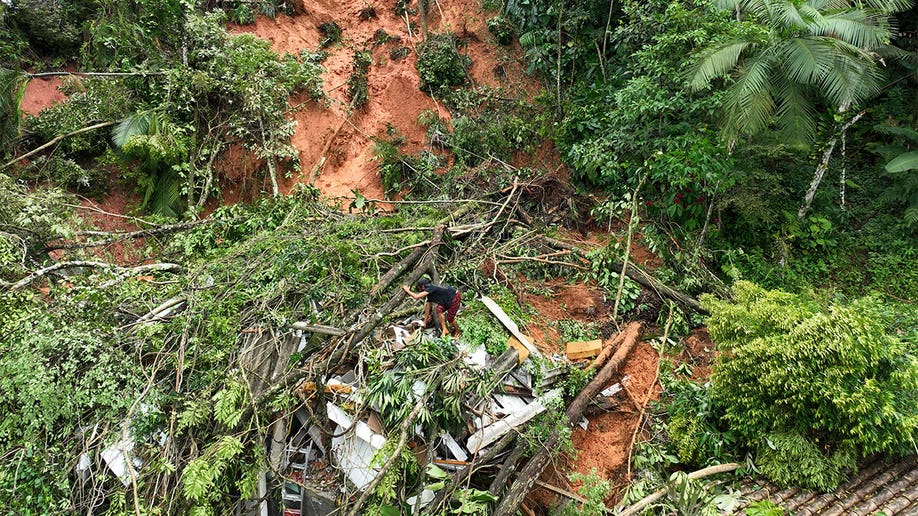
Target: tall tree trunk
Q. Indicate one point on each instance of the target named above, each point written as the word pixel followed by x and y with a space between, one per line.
pixel 422 12
pixel 823 166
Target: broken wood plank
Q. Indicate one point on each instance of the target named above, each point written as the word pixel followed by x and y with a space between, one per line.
pixel 509 324
pixel 512 342
pixel 577 350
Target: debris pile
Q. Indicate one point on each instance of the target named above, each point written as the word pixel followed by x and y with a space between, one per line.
pixel 454 408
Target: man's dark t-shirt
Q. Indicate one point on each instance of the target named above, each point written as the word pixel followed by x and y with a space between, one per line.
pixel 442 296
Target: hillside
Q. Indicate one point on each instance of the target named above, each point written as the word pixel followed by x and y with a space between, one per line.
pixel 682 239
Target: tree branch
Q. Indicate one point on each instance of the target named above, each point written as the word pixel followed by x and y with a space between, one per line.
pixel 24 282
pixel 55 140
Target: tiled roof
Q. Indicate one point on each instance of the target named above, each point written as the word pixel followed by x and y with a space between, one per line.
pixel 882 485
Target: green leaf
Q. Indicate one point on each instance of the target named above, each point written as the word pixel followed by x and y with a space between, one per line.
pixel 903 162
pixel 435 472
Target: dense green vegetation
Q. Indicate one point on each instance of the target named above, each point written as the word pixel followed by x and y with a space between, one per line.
pixel 765 150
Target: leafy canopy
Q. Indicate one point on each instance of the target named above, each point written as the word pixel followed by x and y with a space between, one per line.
pixel 793 55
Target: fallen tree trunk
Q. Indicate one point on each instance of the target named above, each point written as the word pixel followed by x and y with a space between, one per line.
pixel 530 473
pixel 641 277
pixel 607 351
pixel 56 140
pixel 26 281
pixel 397 271
pixel 117 237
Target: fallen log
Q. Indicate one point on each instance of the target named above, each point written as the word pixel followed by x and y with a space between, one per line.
pixel 56 140
pixel 607 351
pixel 529 474
pixel 26 281
pixel 638 275
pixel 397 270
pixel 112 237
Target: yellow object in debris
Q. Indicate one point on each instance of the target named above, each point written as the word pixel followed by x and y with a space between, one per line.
pixel 514 343
pixel 583 349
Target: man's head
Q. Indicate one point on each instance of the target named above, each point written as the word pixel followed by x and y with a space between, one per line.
pixel 423 282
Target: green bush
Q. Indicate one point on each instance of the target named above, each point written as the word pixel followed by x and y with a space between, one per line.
pixel 841 377
pixel 67 173
pixel 242 14
pixel 440 65
pixel 90 101
pixel 399 170
pixel 357 87
pixel 503 29
pixel 332 33
pixel 791 459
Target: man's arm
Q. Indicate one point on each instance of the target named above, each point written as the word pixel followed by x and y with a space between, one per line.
pixel 418 295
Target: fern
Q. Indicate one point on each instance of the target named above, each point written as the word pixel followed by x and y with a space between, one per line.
pixel 230 404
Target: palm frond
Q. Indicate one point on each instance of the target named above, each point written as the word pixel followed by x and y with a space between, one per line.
pixel 853 27
pixel 906 132
pixel 850 81
pixel 806 60
pixel 135 125
pixel 787 15
pixel 888 6
pixel 749 103
pixel 716 63
pixel 12 89
pixel 165 197
pixel 795 113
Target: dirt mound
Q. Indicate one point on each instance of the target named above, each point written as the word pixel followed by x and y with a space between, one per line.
pixel 41 93
pixel 338 150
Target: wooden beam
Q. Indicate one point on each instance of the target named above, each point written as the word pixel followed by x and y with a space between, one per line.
pixel 509 324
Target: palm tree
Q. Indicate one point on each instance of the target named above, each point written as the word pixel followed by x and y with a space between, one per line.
pixel 157 145
pixel 796 54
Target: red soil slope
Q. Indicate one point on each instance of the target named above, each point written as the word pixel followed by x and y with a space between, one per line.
pixel 395 96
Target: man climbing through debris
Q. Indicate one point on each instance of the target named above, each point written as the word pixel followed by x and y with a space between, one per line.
pixel 446 299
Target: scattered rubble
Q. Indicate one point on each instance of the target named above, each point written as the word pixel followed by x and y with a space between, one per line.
pixel 358 438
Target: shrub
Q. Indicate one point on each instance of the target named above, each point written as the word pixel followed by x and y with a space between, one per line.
pixel 66 172
pixel 398 170
pixel 399 53
pixel 440 65
pixel 841 378
pixel 332 33
pixel 242 14
pixel 791 459
pixel 693 424
pixel 502 29
pixel 357 87
pixel 90 101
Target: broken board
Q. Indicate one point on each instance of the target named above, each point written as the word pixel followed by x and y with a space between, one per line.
pixel 583 349
pixel 509 324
